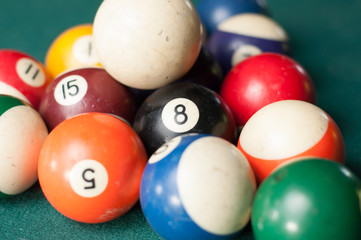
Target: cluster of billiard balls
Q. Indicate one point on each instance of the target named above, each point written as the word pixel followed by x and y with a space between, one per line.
pixel 187 109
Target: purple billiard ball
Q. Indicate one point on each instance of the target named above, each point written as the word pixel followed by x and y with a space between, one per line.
pixel 245 35
pixel 86 90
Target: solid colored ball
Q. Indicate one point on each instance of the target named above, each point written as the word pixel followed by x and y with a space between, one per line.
pixel 22 135
pixel 147 44
pixel 286 130
pixel 182 108
pixel 73 48
pixel 22 76
pixel 212 12
pixel 245 35
pixel 264 79
pixel 197 187
pixel 85 90
pixel 206 71
pixel 90 167
pixel 313 199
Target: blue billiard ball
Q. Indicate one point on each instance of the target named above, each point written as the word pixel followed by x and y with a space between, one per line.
pixel 213 12
pixel 245 35
pixel 197 186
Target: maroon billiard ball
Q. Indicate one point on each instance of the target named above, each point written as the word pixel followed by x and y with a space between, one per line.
pixel 86 90
pixel 22 76
pixel 263 79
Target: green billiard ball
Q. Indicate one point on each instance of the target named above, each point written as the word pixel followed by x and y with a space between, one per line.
pixel 312 199
pixel 22 132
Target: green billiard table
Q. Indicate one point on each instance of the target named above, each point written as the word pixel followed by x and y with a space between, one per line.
pixel 325 37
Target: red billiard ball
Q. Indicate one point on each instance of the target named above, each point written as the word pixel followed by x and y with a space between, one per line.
pixel 288 130
pixel 23 132
pixel 22 76
pixel 90 167
pixel 85 90
pixel 264 79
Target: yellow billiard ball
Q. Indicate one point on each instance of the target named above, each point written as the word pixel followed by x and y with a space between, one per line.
pixel 73 48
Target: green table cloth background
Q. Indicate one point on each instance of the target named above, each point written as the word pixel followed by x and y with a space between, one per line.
pixel 325 37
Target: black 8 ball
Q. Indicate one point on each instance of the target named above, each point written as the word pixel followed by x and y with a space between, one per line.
pixel 182 108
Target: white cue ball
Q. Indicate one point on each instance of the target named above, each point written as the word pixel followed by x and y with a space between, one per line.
pixel 147 44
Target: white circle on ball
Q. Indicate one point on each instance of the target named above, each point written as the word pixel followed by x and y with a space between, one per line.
pixel 88 178
pixel 30 72
pixel 164 150
pixel 244 52
pixel 70 90
pixel 180 115
pixel 283 129
pixel 216 185
pixel 83 50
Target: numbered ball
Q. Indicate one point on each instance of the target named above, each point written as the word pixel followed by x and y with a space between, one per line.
pixel 90 167
pixel 197 187
pixel 147 44
pixel 182 108
pixel 85 90
pixel 264 79
pixel 72 49
pixel 308 200
pixel 22 135
pixel 22 76
pixel 212 13
pixel 286 130
pixel 245 35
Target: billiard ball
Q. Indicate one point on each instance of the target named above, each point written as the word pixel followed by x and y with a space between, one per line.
pixel 212 12
pixel 197 187
pixel 205 71
pixel 286 130
pixel 245 35
pixel 182 108
pixel 263 79
pixel 312 199
pixel 83 90
pixel 147 44
pixel 90 167
pixel 22 134
pixel 73 48
pixel 22 76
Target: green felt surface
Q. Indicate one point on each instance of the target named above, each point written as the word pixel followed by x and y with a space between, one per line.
pixel 325 38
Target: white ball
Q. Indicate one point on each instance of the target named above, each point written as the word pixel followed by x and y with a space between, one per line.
pixel 147 44
pixel 23 132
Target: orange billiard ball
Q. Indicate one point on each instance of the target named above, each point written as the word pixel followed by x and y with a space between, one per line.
pixel 90 167
pixel 73 48
pixel 288 130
